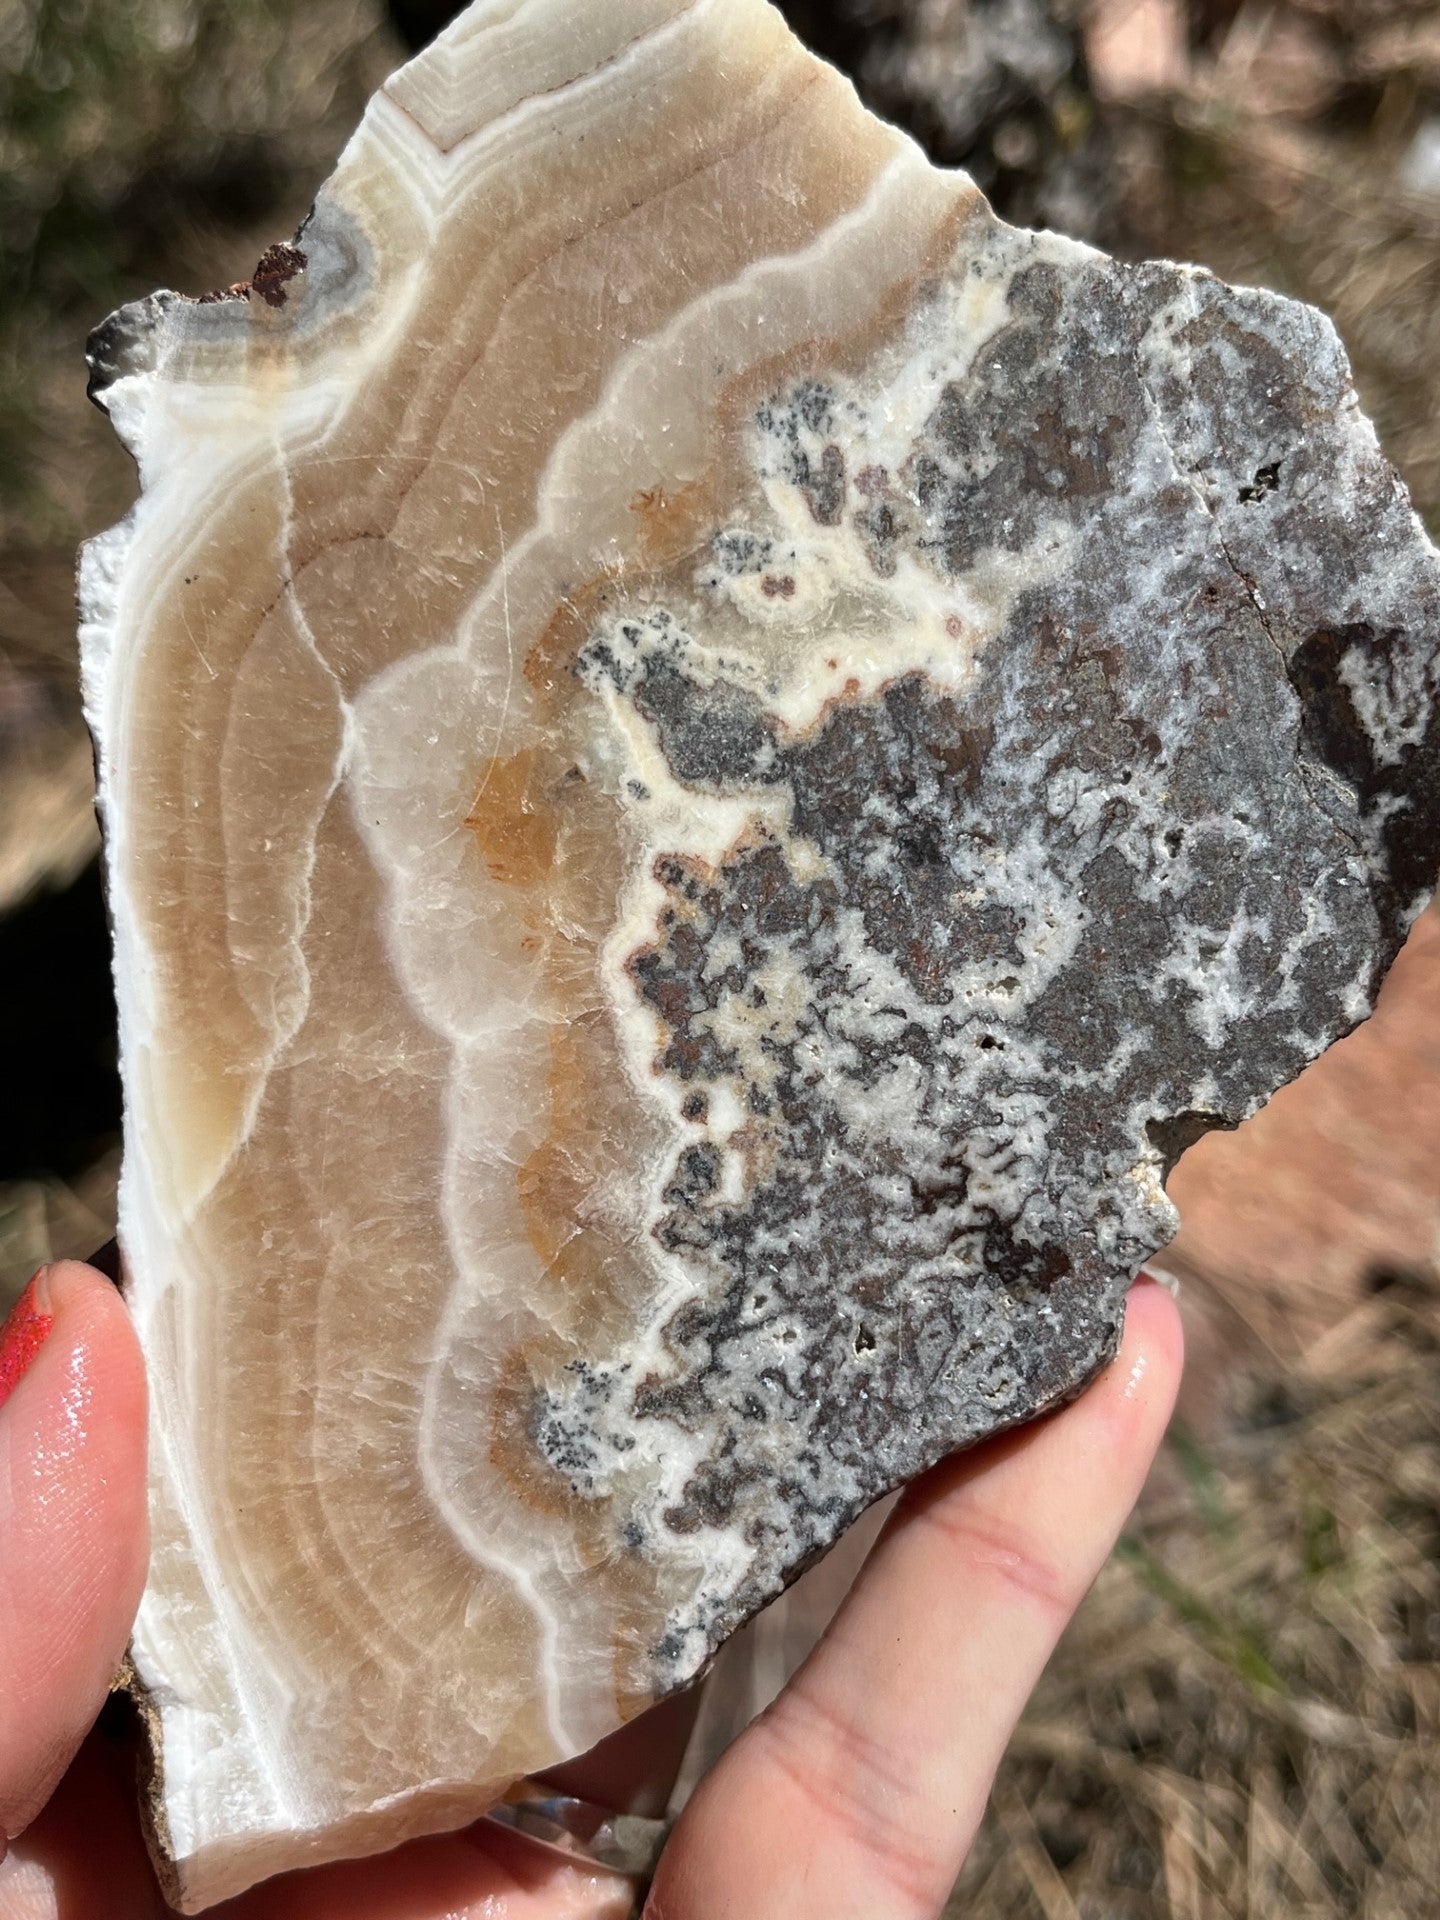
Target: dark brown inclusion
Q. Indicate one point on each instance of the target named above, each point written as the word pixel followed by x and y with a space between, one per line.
pixel 1215 718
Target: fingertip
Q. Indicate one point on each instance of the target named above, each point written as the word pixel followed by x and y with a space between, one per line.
pixel 76 1284
pixel 74 1526
pixel 1153 1325
pixel 94 1323
pixel 1132 1400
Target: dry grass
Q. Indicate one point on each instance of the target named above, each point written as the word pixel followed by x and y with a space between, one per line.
pixel 1244 1722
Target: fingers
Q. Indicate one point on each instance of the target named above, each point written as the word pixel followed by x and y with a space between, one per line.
pixel 73 1533
pixel 82 1856
pixel 480 1874
pixel 856 1796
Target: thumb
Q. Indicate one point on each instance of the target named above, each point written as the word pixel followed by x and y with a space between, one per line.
pixel 73 1532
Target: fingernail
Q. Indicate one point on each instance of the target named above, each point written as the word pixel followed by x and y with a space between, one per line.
pixel 24 1333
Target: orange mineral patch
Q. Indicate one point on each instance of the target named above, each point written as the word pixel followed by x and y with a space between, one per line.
pixel 513 817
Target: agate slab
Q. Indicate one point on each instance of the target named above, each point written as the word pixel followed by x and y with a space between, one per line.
pixel 710 761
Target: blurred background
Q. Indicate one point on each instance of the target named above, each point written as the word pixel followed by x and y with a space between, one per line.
pixel 1245 1720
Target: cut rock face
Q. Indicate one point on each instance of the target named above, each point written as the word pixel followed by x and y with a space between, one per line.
pixel 710 761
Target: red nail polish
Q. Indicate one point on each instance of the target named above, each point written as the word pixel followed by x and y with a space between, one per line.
pixel 23 1334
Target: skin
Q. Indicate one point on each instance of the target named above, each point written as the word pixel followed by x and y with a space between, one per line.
pixel 855 1797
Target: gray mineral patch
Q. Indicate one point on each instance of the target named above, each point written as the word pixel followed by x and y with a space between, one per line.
pixel 1001 953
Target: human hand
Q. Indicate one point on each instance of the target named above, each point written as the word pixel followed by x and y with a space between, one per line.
pixel 855 1797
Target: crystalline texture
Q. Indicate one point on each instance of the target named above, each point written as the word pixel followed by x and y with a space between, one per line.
pixel 710 760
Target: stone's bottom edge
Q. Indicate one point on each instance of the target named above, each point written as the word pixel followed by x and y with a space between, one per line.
pixel 223 1869
pixel 226 1869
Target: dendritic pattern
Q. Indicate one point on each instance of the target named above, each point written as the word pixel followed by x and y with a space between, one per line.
pixel 999 953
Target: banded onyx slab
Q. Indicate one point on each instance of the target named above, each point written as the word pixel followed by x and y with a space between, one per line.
pixel 711 760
